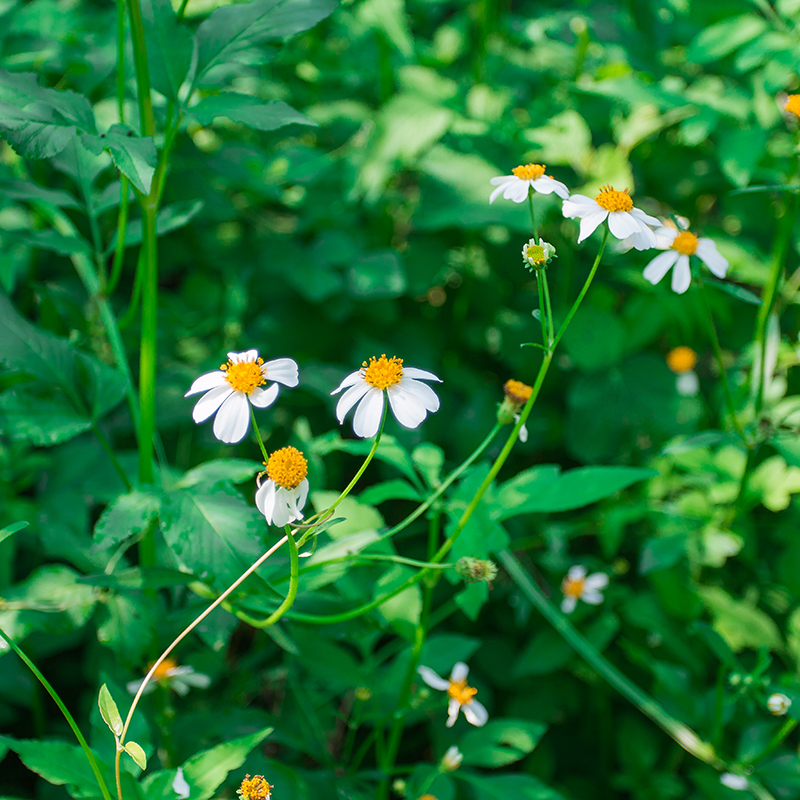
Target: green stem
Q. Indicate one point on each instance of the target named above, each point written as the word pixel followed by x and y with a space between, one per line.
pixel 542 311
pixel 258 434
pixel 294 567
pixel 550 325
pixel 533 215
pixel 182 9
pixel 122 228
pixel 67 716
pixel 788 726
pixel 100 436
pixel 680 732
pixel 366 558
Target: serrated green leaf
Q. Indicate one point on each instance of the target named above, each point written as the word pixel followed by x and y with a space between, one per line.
pixel 134 156
pixel 248 110
pixel 127 516
pixel 109 711
pixel 389 450
pixel 169 47
pixel 40 420
pixel 137 754
pixel 389 490
pixel 231 470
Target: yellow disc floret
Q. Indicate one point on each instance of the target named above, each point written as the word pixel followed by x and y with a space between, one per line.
pixel 681 359
pixel 529 172
pixel 245 376
pixel 612 200
pixel 685 243
pixel 287 467
pixel 793 105
pixel 517 392
pixel 163 669
pixel 459 690
pixel 382 372
pixel 573 587
pixel 255 788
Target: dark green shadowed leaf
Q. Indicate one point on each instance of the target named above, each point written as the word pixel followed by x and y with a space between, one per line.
pixel 248 110
pixel 169 219
pixel 169 47
pixel 501 742
pixel 10 530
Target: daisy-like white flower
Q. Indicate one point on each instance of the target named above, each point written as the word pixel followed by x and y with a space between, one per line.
pixel 682 360
pixel 409 399
pixel 451 760
pixel 679 245
pixel 778 704
pixel 523 178
pixel 255 788
pixel 169 674
pixel 281 498
pixel 230 390
pixel 577 585
pixel 624 221
pixel 462 696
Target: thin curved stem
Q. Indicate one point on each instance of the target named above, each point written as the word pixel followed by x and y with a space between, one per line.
pixel 294 567
pixel 258 434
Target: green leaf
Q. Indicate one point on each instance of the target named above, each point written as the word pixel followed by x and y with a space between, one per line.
pixel 206 771
pixel 170 218
pixel 523 493
pixel 40 122
pixel 662 552
pixel 231 30
pixel 719 40
pixel 740 150
pixel 734 290
pixel 109 711
pixel 248 110
pixel 139 578
pixel 169 47
pixel 389 450
pixel 396 489
pixel 137 754
pixel 506 787
pixel 232 470
pixel 51 240
pixel 27 190
pixel 739 622
pixel 128 515
pixel 10 530
pixel 40 420
pixel 403 610
pixel 573 489
pixel 501 742
pixel 133 155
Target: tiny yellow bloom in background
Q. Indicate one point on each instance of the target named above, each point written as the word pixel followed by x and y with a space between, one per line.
pixel 577 585
pixel 170 675
pixel 255 788
pixel 682 360
pixel 524 178
pixel 792 105
pixel 517 394
pixel 281 498
pixel 778 704
pixel 462 696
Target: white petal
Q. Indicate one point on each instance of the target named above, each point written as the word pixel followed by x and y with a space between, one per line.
pixel 459 672
pixel 666 233
pixel 247 355
pixel 687 384
pixel 179 687
pixel 349 399
pixel 282 514
pixel 233 419
pixel 432 679
pixel 210 402
pixel 643 239
pixel 660 265
pixel 475 713
pixel 352 378
pixel 407 410
pixel 452 712
pixel 644 218
pixel 421 392
pixel 590 223
pixel 681 275
pixel 518 192
pixel 622 224
pixel 523 434
pixel 577 572
pixel 302 495
pixel 503 179
pixel 578 205
pixel 419 374
pixel 180 785
pixel 134 686
pixel 707 252
pixel 598 580
pixel 265 499
pixel 592 598
pixel 282 370
pixel 261 398
pixel 568 605
pixel 548 185
pixel 208 381
pixel 367 418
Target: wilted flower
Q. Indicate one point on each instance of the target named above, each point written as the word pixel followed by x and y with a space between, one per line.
pixel 523 178
pixel 778 704
pixel 451 760
pixel 461 695
pixel 517 395
pixel 537 254
pixel 255 788
pixel 409 399
pixel 577 585
pixel 679 245
pixel 476 570
pixel 234 387
pixel 681 360
pixel 738 782
pixel 169 674
pixel 624 221
pixel 281 498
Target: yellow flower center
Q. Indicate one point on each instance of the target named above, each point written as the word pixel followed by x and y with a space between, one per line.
pixel 287 467
pixel 427 797
pixel 529 172
pixel 793 104
pixel 612 200
pixel 244 376
pixel 163 669
pixel 459 690
pixel 382 372
pixel 573 587
pixel 534 253
pixel 517 391
pixel 685 243
pixel 681 359
pixel 255 788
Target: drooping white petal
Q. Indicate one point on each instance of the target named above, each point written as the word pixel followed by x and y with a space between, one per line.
pixel 261 398
pixel 349 399
pixel 452 712
pixel 265 499
pixel 210 402
pixel 352 378
pixel 577 572
pixel 643 239
pixel 282 370
pixel 208 381
pixel 622 224
pixel 590 222
pixel 644 218
pixel 548 185
pixel 597 580
pixel 233 419
pixel 501 184
pixel 459 672
pixel 282 515
pixel 707 253
pixel 568 605
pixel 196 680
pixel 432 679
pixel 660 265
pixel 408 411
pixel 475 713
pixel 578 205
pixel 420 374
pixel 518 192
pixel 367 418
pixel 681 274
pixel 421 392
pixel 592 598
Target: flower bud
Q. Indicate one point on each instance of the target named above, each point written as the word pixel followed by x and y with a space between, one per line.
pixel 451 760
pixel 476 570
pixel 517 394
pixel 778 704
pixel 535 255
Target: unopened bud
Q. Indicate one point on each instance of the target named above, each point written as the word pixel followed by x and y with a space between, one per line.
pixel 517 394
pixel 537 255
pixel 451 760
pixel 778 704
pixel 476 570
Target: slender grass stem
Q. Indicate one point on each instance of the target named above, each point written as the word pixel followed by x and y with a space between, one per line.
pixel 294 567
pixel 264 453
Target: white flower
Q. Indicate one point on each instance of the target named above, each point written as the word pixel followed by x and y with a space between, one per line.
pixel 738 782
pixel 179 679
pixel 409 399
pixel 537 254
pixel 679 245
pixel 230 389
pixel 462 696
pixel 778 704
pixel 451 760
pixel 624 221
pixel 180 785
pixel 281 498
pixel 578 586
pixel 516 186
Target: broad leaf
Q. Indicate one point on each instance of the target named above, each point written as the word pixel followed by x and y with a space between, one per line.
pixel 233 470
pixel 169 47
pixel 134 156
pixel 248 110
pixel 27 190
pixel 137 754
pixel 169 219
pixel 501 742
pixel 505 787
pixel 128 515
pixel 109 711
